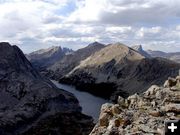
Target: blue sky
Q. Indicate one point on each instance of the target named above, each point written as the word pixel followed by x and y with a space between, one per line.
pixel 36 24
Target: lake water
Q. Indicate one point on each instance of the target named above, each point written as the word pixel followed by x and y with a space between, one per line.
pixel 90 104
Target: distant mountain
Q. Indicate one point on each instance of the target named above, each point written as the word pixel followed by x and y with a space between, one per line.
pixel 156 53
pixel 119 70
pixel 44 53
pixel 172 56
pixel 30 104
pixel 67 50
pixel 141 51
pixel 43 58
pixel 63 66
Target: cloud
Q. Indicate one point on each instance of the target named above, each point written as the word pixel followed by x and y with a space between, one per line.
pixel 36 24
pixel 126 12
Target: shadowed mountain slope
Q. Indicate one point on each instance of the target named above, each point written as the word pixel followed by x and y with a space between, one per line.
pixel 27 100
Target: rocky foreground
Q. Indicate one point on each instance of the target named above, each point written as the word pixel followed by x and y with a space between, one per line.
pixel 141 114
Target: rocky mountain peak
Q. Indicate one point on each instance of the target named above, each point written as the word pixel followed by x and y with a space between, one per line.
pixel 141 114
pixel 4 44
pixel 95 44
pixel 67 50
pixel 46 57
pixel 119 43
pixel 13 60
pixel 115 51
pixel 55 48
pixel 45 52
pixel 140 49
pixel 6 49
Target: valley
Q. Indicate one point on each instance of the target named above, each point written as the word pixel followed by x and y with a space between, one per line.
pixel 111 70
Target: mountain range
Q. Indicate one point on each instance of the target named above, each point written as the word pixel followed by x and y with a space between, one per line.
pixel 119 70
pixel 30 104
pixel 111 70
pixel 175 56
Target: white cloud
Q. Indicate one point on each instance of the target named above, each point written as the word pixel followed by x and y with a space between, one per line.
pixel 118 29
pixel 125 12
pixel 36 24
pixel 144 32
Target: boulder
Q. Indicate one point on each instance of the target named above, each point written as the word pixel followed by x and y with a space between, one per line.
pixel 104 119
pixel 170 82
pixel 152 91
pixel 175 88
pixel 173 108
pixel 178 79
pixel 116 109
pixel 155 113
pixel 133 100
pixel 121 101
pixel 107 107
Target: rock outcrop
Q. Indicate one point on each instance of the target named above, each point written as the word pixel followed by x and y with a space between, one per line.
pixel 141 51
pixel 31 105
pixel 119 70
pixel 142 114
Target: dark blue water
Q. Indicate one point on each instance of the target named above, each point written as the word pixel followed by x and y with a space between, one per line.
pixel 90 104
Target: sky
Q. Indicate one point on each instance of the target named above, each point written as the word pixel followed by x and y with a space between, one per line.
pixel 36 24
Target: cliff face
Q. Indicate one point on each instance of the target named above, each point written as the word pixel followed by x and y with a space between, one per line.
pixel 119 70
pixel 30 104
pixel 141 114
